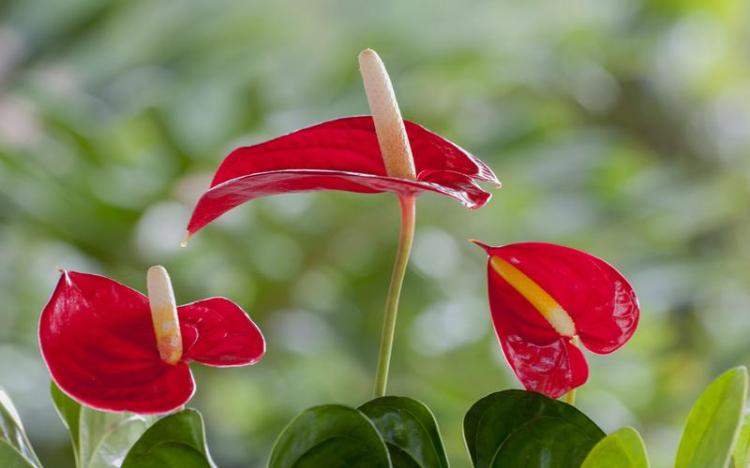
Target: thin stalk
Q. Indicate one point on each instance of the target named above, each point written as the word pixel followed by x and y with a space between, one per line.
pixel 570 397
pixel 405 240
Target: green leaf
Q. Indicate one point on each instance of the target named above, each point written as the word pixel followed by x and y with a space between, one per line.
pixel 520 428
pixel 621 449
pixel 10 457
pixel 331 436
pixel 400 458
pixel 12 432
pixel 713 422
pixel 545 442
pixel 409 430
pixel 69 411
pixel 105 438
pixel 741 454
pixel 99 438
pixel 176 441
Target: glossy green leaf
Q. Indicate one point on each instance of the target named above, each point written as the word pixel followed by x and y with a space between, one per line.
pixel 400 458
pixel 713 422
pixel 99 438
pixel 176 441
pixel 12 432
pixel 520 428
pixel 741 454
pixel 621 449
pixel 10 457
pixel 544 442
pixel 331 436
pixel 105 438
pixel 69 411
pixel 409 430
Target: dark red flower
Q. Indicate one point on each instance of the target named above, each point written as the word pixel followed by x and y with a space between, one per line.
pixel 544 298
pixel 340 154
pixel 98 340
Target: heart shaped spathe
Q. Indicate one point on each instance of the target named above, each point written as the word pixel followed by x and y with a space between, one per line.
pixel 98 341
pixel 544 299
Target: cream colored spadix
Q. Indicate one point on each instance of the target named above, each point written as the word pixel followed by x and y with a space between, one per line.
pixel 164 314
pixel 547 306
pixel 389 126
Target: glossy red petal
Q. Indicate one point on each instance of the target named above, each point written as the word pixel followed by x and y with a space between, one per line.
pixel 228 195
pixel 97 339
pixel 552 369
pixel 217 332
pixel 348 144
pixel 597 297
pixel 543 361
pixel 341 154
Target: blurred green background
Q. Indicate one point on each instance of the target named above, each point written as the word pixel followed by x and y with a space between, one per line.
pixel 620 127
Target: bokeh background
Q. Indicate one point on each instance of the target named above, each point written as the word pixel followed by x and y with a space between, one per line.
pixel 621 127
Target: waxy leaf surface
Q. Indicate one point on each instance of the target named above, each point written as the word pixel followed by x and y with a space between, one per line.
pixel 621 449
pixel 516 428
pixel 175 441
pixel 69 411
pixel 13 438
pixel 714 422
pixel 741 453
pixel 10 457
pixel 409 429
pixel 332 436
pixel 104 438
pixel 99 438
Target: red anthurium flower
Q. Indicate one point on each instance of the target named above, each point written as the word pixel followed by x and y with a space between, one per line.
pixel 112 348
pixel 365 154
pixel 547 298
pixel 340 154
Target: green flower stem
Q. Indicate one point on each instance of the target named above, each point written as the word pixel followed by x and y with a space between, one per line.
pixel 405 240
pixel 570 397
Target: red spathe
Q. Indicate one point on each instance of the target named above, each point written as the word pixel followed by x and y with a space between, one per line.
pixel 97 339
pixel 598 299
pixel 341 154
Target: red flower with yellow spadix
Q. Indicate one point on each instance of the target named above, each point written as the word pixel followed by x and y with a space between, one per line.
pixel 544 300
pixel 112 348
pixel 361 154
pixel 365 154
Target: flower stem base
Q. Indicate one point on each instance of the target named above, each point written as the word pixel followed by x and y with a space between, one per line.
pixel 406 238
